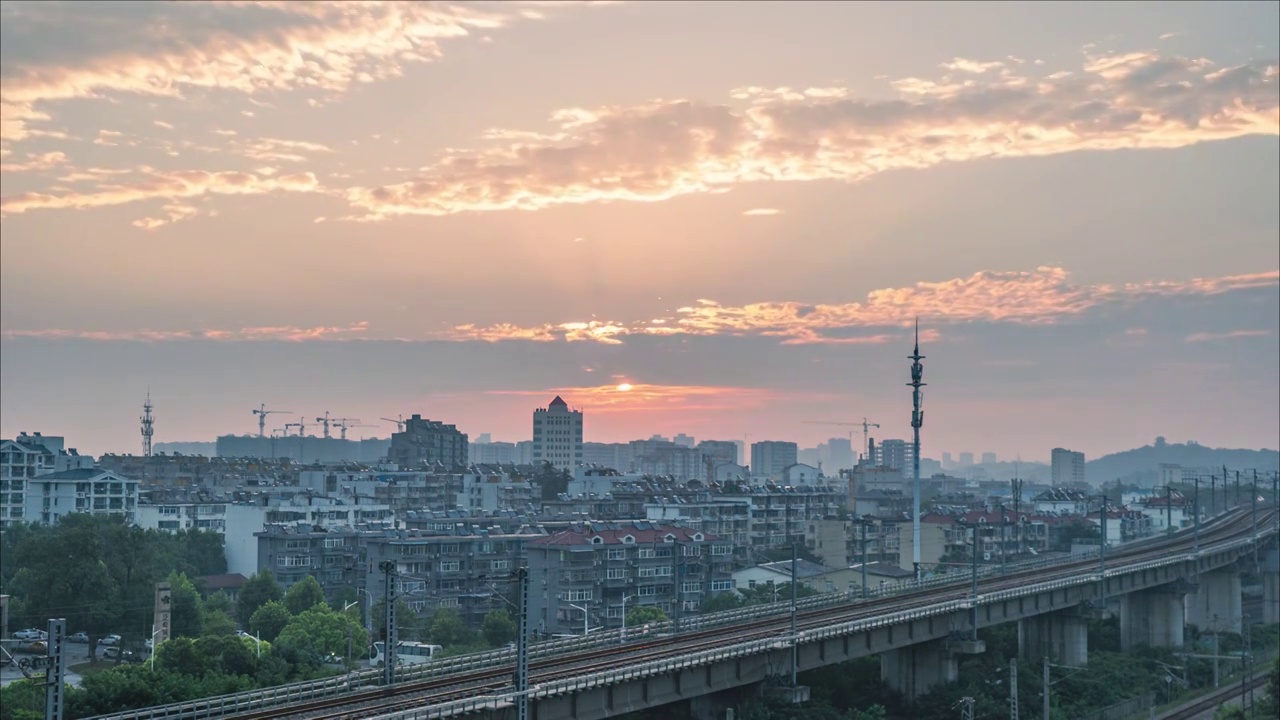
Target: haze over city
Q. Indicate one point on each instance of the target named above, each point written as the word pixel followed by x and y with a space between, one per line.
pixel 681 217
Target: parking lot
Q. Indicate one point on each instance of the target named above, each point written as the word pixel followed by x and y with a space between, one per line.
pixel 76 653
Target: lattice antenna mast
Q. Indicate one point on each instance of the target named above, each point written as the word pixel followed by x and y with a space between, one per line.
pixel 148 426
pixel 917 420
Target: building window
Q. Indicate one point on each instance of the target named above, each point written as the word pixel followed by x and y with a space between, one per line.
pixel 449 566
pixel 617 554
pixel 617 574
pixel 721 585
pixel 575 595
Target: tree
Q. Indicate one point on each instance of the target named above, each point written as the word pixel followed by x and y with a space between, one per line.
pixel 319 631
pixel 185 618
pixel 269 620
pixel 644 614
pixel 447 629
pixel 410 625
pixel 257 591
pixel 1230 712
pixel 498 628
pixel 304 595
pixel 217 622
pixel 723 601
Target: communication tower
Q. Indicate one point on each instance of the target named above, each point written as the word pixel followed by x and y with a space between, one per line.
pixel 917 420
pixel 148 426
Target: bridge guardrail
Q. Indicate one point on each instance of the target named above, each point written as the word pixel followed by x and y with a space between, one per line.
pixel 366 679
pixel 737 650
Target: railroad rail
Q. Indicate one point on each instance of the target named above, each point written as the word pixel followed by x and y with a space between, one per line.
pixel 483 681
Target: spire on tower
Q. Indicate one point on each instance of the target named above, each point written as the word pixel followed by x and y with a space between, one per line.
pixel 148 425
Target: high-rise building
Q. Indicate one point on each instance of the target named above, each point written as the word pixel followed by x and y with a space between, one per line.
pixel 839 454
pixel 684 440
pixel 947 462
pixel 988 458
pixel 428 442
pixel 770 457
pixel 1067 467
pixel 557 435
pixel 895 454
pixel 720 451
pixel 966 459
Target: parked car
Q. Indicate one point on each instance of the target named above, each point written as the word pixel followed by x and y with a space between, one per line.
pixel 110 641
pixel 115 653
pixel 31 634
pixel 79 637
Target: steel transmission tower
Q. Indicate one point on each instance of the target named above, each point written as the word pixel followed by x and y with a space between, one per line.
pixel 148 426
pixel 917 420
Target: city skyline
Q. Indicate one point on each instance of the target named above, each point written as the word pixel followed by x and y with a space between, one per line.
pixel 463 211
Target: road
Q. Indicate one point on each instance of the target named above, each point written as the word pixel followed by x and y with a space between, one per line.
pixel 76 653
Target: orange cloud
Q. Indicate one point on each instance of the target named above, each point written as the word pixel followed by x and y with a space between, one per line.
pixel 283 333
pixel 666 148
pixel 168 185
pixel 35 163
pixel 1210 337
pixel 1044 296
pixel 640 397
pixel 323 46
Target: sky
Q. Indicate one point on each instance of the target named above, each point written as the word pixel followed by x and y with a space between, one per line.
pixel 713 218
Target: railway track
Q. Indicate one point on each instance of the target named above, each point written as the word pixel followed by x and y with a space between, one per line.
pixel 425 693
pixel 1214 700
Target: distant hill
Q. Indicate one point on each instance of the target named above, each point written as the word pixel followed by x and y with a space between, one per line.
pixel 185 448
pixel 1143 464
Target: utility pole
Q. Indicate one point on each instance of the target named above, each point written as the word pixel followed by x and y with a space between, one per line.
pixel 1253 502
pixel 966 708
pixel 1004 534
pixel 917 420
pixel 388 569
pixel 1013 688
pixel 864 555
pixel 1102 551
pixel 1237 502
pixel 1168 508
pixel 522 646
pixel 974 591
pixel 675 552
pixel 795 638
pixel 56 669
pixel 1045 682
pixel 1195 502
pixel 1247 663
pixel 1017 510
pixel 1213 493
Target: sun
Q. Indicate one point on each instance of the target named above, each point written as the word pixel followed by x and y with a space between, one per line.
pixel 624 387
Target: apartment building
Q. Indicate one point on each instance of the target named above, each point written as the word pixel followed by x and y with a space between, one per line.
pixel 22 460
pixel 51 496
pixel 333 556
pixel 602 570
pixel 1066 467
pixel 428 443
pixel 466 567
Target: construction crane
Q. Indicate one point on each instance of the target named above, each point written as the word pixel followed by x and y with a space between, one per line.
pixel 343 425
pixel 865 425
pixel 399 423
pixel 325 421
pixel 262 412
pixel 302 428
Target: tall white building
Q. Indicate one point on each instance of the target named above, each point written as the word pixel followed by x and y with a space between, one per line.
pixel 557 435
pixel 1067 467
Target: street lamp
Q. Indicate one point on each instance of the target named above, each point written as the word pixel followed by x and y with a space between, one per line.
pixel 623 637
pixel 154 648
pixel 258 643
pixel 586 630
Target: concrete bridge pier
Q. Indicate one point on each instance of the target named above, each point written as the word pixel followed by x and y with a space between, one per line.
pixel 1215 605
pixel 917 669
pixel 1154 617
pixel 1062 636
pixel 1270 561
